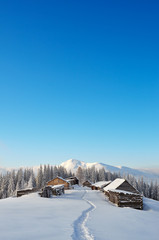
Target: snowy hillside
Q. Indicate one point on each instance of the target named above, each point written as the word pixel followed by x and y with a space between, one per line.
pixel 80 214
pixel 73 164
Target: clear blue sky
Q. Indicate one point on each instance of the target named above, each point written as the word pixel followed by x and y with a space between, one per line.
pixel 79 79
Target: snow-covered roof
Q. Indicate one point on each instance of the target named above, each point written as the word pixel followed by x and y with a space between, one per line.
pixel 87 181
pixel 57 186
pixel 115 184
pixel 72 178
pixel 101 184
pixel 69 180
pixel 122 191
pixel 62 179
pixel 25 189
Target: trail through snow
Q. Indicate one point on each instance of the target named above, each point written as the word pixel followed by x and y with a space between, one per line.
pixel 79 214
pixel 81 231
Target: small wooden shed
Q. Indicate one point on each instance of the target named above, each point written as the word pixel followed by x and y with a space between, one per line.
pixel 87 184
pixel 126 199
pixel 100 185
pixel 73 180
pixel 59 181
pixel 120 184
pixel 123 194
pixel 50 190
pixel 58 189
pixel 26 191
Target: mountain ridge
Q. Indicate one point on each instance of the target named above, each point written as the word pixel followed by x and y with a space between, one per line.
pixel 73 164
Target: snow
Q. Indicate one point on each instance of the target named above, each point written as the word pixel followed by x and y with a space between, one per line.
pixel 101 183
pixel 73 164
pixel 25 189
pixel 79 214
pixel 115 184
pixel 122 191
pixel 33 217
pixel 57 186
pixel 109 222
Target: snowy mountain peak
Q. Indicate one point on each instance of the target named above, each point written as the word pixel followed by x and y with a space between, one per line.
pixel 73 161
pixel 73 164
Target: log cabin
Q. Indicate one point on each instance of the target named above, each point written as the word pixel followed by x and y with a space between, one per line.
pixel 50 190
pixel 87 184
pixel 73 180
pixel 59 181
pixel 126 199
pixel 120 184
pixel 100 185
pixel 26 191
pixel 123 194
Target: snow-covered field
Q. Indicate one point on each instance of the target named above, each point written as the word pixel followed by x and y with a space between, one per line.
pixel 78 214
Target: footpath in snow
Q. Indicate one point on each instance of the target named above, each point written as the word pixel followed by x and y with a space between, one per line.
pixel 80 214
pixel 81 231
pixel 109 222
pixel 33 217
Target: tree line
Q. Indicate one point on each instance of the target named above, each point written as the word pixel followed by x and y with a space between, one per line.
pixel 26 178
pixel 149 190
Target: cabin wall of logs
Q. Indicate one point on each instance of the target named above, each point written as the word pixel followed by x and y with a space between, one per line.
pixel 58 180
pixel 122 199
pixel 87 184
pixel 49 191
pixel 26 191
pixel 95 188
pixel 73 180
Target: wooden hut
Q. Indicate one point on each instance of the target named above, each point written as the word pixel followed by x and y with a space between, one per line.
pixel 59 181
pixel 120 184
pixel 46 192
pixel 58 189
pixel 73 180
pixel 100 185
pixel 123 194
pixel 126 199
pixel 87 184
pixel 50 190
pixel 26 191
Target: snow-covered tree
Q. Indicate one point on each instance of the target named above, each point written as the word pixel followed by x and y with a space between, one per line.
pixel 25 178
pixel 39 178
pixel 31 182
pixel 102 174
pixel 80 175
pixel 55 171
pixel 11 185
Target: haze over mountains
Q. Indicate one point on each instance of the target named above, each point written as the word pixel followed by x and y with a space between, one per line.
pixel 73 164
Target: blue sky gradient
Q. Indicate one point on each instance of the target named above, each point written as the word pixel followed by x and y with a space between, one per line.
pixel 79 79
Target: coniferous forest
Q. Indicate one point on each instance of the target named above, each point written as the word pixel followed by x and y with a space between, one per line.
pixel 25 178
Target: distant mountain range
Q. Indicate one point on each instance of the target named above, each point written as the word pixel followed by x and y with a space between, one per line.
pixel 73 164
